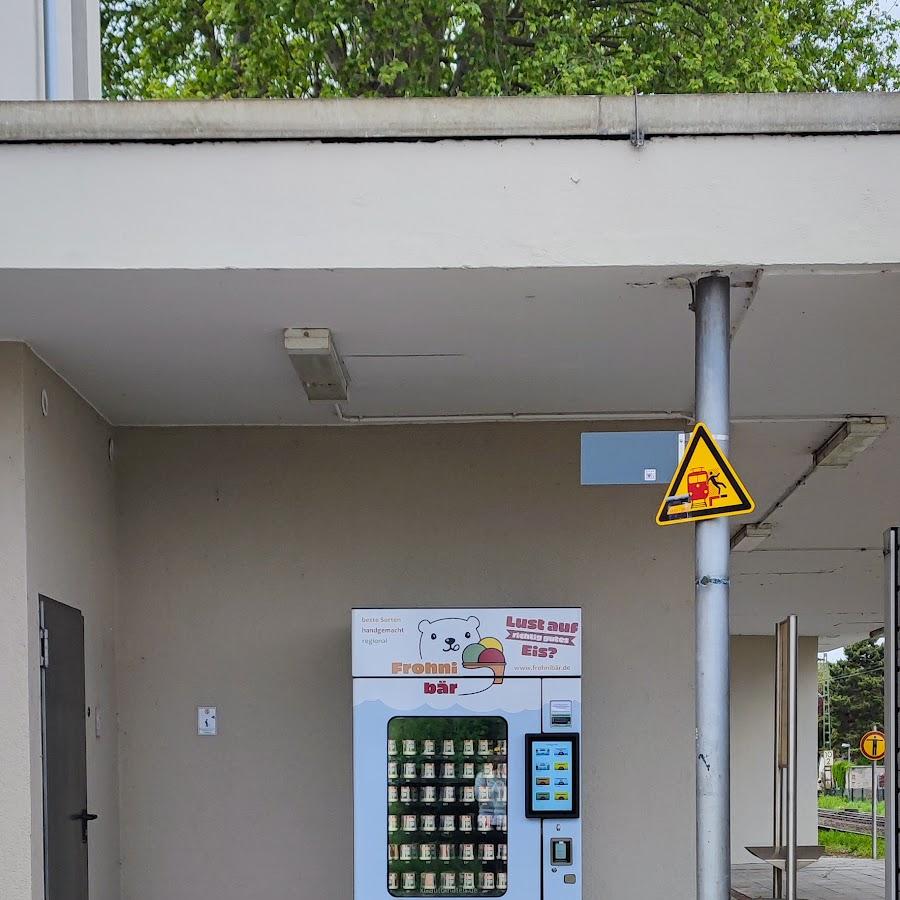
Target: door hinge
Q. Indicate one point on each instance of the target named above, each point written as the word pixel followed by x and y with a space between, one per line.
pixel 45 648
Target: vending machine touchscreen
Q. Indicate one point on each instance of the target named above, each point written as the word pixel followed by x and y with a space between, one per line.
pixel 551 791
pixel 466 761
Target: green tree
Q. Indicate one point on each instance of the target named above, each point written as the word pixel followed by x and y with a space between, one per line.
pixel 857 693
pixel 419 48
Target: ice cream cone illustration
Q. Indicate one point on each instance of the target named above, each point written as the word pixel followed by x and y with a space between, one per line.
pixel 486 654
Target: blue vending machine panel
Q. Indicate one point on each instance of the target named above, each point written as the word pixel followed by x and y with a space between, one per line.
pixel 551 790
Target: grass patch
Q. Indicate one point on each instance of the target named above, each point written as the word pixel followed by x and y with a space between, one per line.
pixel 841 843
pixel 827 801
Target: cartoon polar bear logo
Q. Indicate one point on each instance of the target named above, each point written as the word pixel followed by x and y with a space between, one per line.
pixel 443 640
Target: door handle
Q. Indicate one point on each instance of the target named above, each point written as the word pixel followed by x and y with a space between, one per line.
pixel 84 817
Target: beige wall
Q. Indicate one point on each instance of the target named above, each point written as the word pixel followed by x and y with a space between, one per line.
pixel 752 739
pixel 57 524
pixel 242 553
pixel 19 858
pixel 71 558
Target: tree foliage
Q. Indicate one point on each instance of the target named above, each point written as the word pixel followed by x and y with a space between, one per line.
pixel 421 48
pixel 857 693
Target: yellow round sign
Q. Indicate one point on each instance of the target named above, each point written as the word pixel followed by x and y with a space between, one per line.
pixel 872 745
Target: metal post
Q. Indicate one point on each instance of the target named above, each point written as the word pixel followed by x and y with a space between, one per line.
pixel 891 707
pixel 791 863
pixel 778 786
pixel 712 377
pixel 51 51
pixel 874 809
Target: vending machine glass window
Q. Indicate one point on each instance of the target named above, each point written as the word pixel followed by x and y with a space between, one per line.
pixel 447 806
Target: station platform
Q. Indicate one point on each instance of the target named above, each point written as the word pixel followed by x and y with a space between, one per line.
pixel 831 878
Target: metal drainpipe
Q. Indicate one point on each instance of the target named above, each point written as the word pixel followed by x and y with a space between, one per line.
pixel 712 549
pixel 51 51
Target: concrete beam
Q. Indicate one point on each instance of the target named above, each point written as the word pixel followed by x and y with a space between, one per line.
pixel 463 118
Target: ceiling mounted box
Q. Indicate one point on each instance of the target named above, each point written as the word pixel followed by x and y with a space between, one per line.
pixel 318 363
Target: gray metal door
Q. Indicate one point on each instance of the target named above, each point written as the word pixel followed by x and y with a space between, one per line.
pixel 66 815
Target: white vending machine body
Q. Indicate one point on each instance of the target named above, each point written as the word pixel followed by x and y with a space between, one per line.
pixel 466 763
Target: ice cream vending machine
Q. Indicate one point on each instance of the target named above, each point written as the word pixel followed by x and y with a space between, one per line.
pixel 466 753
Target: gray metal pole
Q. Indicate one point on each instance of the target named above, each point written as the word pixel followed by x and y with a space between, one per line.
pixel 51 52
pixel 712 377
pixel 874 809
pixel 791 859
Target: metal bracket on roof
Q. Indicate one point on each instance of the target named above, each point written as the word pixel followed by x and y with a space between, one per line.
pixel 637 136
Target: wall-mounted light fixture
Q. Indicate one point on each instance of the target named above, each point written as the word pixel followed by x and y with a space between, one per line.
pixel 318 363
pixel 749 537
pixel 854 436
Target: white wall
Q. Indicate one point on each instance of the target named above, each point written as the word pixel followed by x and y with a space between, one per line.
pixel 71 558
pixel 242 553
pixel 525 203
pixel 752 739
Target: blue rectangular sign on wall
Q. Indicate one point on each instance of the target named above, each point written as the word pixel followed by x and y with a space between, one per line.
pixel 629 457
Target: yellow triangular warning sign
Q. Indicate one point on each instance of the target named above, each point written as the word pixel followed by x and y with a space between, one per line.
pixel 705 485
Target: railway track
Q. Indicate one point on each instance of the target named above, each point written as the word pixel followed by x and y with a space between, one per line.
pixel 850 821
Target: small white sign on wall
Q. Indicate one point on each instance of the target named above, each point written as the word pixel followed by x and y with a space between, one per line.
pixel 206 720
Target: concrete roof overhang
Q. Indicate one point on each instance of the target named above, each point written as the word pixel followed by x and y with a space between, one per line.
pixel 489 259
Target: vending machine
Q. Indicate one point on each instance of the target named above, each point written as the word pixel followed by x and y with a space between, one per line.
pixel 466 753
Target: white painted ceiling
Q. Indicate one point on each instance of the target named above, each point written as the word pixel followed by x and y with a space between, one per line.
pixel 204 347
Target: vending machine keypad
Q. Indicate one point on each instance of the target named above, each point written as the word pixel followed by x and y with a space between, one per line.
pixel 447 806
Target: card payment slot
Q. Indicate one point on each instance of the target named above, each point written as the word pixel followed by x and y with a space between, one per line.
pixel 561 851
